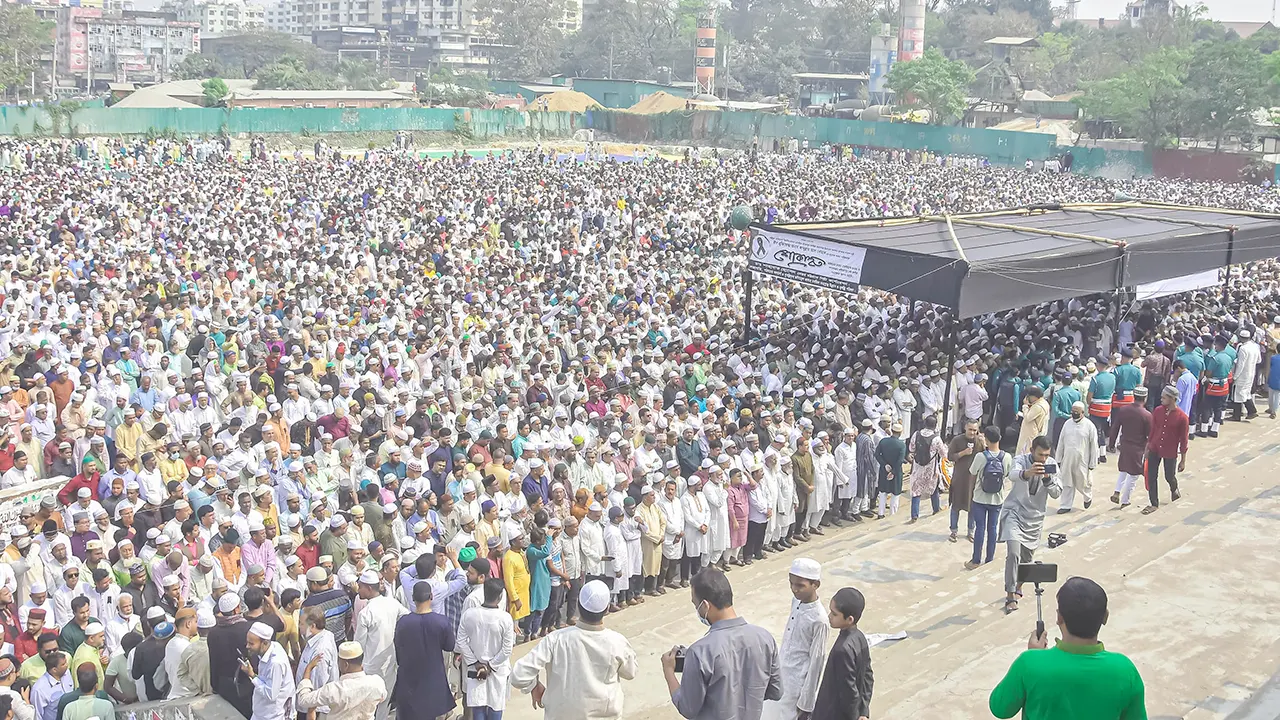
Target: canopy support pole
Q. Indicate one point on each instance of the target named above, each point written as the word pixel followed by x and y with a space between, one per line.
pixel 1226 280
pixel 749 280
pixel 943 428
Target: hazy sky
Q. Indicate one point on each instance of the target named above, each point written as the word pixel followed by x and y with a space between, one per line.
pixel 1227 10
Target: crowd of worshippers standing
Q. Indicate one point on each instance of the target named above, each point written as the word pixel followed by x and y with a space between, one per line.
pixel 258 411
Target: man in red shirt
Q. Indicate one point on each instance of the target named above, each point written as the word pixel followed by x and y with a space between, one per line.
pixel 88 478
pixel 1167 443
pixel 28 642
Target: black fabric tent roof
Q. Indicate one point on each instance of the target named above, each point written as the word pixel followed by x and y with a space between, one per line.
pixel 988 262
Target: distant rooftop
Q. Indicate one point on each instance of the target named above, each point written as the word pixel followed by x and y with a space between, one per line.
pixel 1245 29
pixel 1014 42
pixel 829 76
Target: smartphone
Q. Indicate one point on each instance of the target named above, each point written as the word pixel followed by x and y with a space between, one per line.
pixel 1051 467
pixel 1037 572
pixel 680 653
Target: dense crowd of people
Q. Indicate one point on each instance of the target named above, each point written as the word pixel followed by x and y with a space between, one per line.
pixel 289 429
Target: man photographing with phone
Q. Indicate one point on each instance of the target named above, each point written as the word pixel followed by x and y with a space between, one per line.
pixel 1077 678
pixel 1034 480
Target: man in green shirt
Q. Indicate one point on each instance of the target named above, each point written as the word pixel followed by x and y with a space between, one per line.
pixel 87 701
pixel 1077 678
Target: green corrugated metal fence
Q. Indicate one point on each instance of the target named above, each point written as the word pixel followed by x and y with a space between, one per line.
pixel 732 129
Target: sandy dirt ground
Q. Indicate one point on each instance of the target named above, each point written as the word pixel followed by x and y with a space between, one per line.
pixel 1192 591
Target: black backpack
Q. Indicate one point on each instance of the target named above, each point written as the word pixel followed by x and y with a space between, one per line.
pixel 922 452
pixel 993 472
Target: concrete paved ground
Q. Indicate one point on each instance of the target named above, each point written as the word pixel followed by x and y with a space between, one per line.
pixel 1192 588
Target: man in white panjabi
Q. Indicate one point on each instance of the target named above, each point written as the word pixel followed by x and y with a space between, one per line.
pixel 1248 357
pixel 355 695
pixel 486 636
pixel 375 630
pixel 804 644
pixel 1077 455
pixel 584 664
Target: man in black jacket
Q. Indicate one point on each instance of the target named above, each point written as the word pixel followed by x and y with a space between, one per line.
pixel 845 692
pixel 227 641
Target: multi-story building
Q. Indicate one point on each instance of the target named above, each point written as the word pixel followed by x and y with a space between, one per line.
pixel 278 16
pixel 1137 10
pixel 307 16
pixel 219 17
pixel 131 45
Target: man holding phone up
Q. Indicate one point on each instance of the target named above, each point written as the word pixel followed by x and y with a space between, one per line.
pixel 1034 480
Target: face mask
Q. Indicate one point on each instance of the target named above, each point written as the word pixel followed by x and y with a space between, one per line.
pixel 174 456
pixel 702 617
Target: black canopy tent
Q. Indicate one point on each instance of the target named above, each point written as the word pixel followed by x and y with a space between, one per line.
pixel 980 263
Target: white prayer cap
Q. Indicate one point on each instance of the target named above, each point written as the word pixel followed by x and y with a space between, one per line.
pixel 93 628
pixel 262 630
pixel 228 603
pixel 594 597
pixel 370 577
pixel 37 588
pixel 806 568
pixel 595 507
pixel 205 619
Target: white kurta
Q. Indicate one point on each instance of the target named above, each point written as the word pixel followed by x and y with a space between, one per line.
pixel 615 546
pixel 375 631
pixel 846 456
pixel 584 666
pixel 1248 355
pixel 631 533
pixel 486 635
pixel 696 514
pixel 717 499
pixel 591 541
pixel 786 496
pixel 673 513
pixel 1077 452
pixel 800 659
pixel 824 479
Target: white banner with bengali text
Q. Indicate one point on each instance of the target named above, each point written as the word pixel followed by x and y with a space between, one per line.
pixel 812 261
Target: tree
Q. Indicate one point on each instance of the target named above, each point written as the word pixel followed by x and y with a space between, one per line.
pixel 631 39
pixel 215 89
pixel 1051 67
pixel 529 35
pixel 1147 100
pixel 198 66
pixel 23 36
pixel 243 55
pixel 761 71
pixel 291 73
pixel 1226 82
pixel 364 75
pixel 934 83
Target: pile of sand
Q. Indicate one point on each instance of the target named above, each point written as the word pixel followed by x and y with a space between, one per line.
pixel 659 102
pixel 564 101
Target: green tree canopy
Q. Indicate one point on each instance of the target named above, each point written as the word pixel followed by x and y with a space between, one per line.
pixel 1226 82
pixel 529 34
pixel 198 66
pixel 215 89
pixel 290 73
pixel 243 55
pixel 1147 99
pixel 22 37
pixel 933 83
